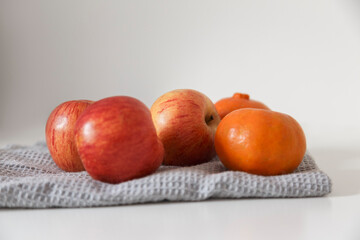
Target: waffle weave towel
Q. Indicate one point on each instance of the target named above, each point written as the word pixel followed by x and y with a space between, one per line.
pixel 30 179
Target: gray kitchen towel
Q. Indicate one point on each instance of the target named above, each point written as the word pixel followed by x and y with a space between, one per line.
pixel 30 179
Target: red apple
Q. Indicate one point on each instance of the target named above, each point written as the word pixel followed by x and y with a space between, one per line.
pixel 117 140
pixel 59 133
pixel 186 122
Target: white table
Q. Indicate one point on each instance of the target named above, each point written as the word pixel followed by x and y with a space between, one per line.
pixel 336 216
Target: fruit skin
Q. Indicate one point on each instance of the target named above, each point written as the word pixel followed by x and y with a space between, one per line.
pixel 259 141
pixel 186 122
pixel 117 140
pixel 59 133
pixel 237 101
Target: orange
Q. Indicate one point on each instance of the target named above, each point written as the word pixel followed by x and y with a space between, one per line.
pixel 260 142
pixel 237 101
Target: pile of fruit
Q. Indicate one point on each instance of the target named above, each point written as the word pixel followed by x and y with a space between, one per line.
pixel 117 139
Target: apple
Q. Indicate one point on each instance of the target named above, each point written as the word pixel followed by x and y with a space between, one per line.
pixel 186 122
pixel 117 140
pixel 59 132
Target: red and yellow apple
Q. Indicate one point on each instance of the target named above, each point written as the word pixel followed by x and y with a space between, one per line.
pixel 59 132
pixel 186 122
pixel 117 140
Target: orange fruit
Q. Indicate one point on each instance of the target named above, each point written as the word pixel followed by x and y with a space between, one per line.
pixel 260 142
pixel 237 101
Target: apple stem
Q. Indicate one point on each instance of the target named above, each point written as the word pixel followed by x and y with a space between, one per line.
pixel 209 119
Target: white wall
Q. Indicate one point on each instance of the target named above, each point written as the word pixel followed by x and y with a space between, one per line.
pixel 300 57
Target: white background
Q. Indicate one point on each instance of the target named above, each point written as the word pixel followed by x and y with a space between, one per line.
pixel 300 57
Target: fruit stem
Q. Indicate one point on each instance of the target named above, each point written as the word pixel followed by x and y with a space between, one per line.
pixel 241 95
pixel 209 119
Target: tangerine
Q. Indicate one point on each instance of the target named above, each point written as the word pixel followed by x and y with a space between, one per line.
pixel 260 142
pixel 237 101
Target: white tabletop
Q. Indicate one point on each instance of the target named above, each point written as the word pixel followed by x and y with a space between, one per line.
pixel 336 216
